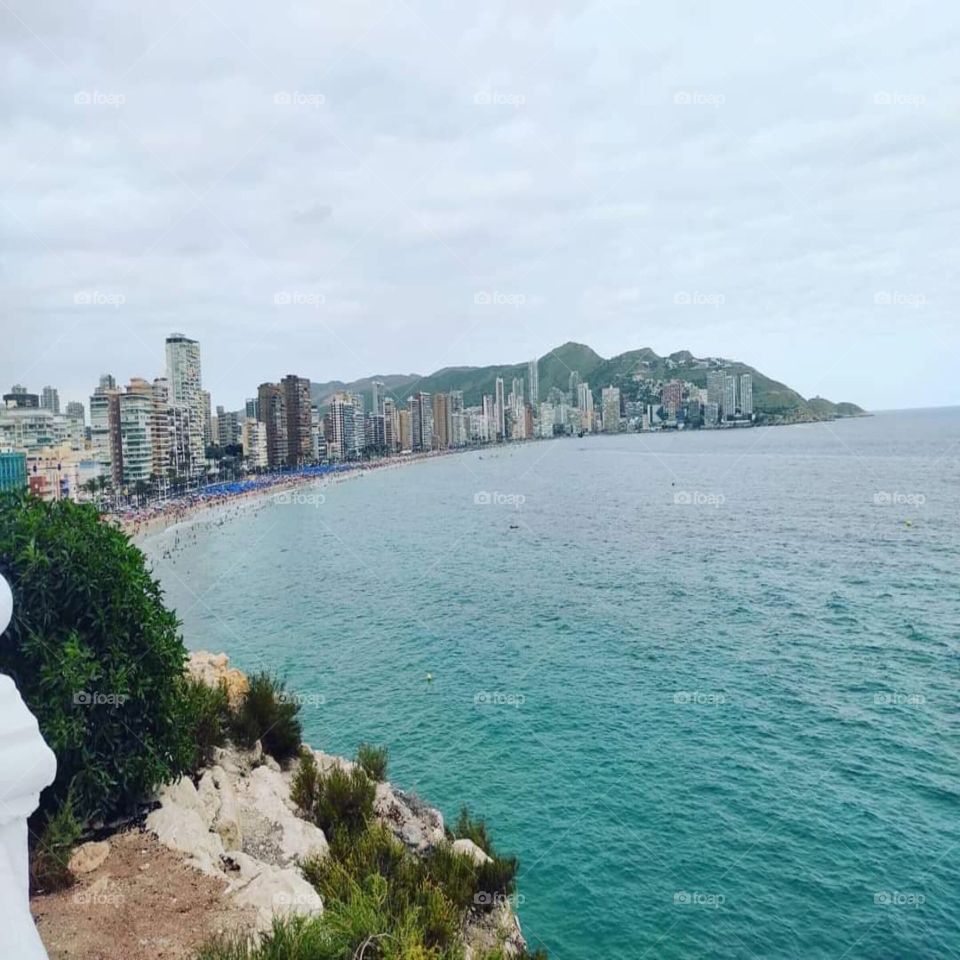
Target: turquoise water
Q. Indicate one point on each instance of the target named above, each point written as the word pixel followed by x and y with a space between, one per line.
pixel 723 728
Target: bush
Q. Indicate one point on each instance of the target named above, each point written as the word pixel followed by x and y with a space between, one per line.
pixel 373 761
pixel 336 801
pixel 51 855
pixel 268 714
pixel 208 714
pixel 469 829
pixel 95 655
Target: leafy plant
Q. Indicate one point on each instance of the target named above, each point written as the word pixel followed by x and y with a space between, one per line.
pixel 269 714
pixel 336 801
pixel 95 654
pixel 50 856
pixel 373 761
pixel 208 714
pixel 469 828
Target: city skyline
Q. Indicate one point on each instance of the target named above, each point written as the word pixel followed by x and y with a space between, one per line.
pixel 374 197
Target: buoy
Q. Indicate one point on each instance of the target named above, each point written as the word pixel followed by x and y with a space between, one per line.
pixel 429 678
pixel 908 523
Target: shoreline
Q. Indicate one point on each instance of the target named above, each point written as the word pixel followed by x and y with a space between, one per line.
pixel 200 505
pixel 191 508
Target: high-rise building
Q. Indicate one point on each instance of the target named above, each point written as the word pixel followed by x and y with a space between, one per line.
pixel 19 398
pixel 391 425
pixel 50 399
pixel 105 427
pixel 136 431
pixel 296 398
pixel 377 396
pixel 442 421
pixel 273 415
pixel 671 397
pixel 406 430
pixel 77 411
pixel 715 381
pixel 190 412
pixel 746 394
pixel 252 408
pixel 206 404
pixel 421 421
pixel 229 428
pixel 585 406
pixel 161 428
pixel 254 438
pixel 499 412
pixel 533 381
pixel 729 397
pixel 340 430
pixel 573 385
pixel 610 406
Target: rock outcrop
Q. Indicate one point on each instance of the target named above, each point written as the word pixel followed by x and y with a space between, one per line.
pixel 239 823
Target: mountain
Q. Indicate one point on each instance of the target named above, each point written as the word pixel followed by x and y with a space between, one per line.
pixel 635 372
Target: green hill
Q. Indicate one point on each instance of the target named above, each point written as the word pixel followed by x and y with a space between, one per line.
pixel 637 373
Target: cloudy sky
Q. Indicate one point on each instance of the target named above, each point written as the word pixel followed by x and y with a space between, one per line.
pixel 340 189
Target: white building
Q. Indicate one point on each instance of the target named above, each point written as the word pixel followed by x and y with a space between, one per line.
pixel 187 403
pixel 746 394
pixel 610 405
pixel 533 381
pixel 254 438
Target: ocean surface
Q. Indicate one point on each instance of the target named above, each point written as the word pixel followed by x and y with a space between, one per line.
pixel 706 686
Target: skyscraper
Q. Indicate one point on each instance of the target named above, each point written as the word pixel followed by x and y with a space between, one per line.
pixel 161 427
pixel 573 385
pixel 377 394
pixel 746 394
pixel 50 399
pixel 715 381
pixel 441 421
pixel 533 381
pixel 585 406
pixel 187 404
pixel 421 421
pixel 341 439
pixel 671 397
pixel 273 415
pixel 136 431
pixel 105 427
pixel 610 405
pixel 729 408
pixel 499 412
pixel 296 399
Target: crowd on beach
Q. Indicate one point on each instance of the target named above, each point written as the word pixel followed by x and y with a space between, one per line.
pixel 166 512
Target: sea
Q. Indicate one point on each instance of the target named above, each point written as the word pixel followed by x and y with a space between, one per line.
pixel 704 685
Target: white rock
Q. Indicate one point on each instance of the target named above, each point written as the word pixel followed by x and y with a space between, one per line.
pixel 277 891
pixel 207 792
pixel 185 830
pixel 469 849
pixel 419 830
pixel 227 821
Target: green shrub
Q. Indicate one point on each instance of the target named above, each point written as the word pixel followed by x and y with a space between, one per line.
pixel 495 881
pixel 269 714
pixel 373 761
pixel 469 829
pixel 208 714
pixel 336 801
pixel 95 655
pixel 51 854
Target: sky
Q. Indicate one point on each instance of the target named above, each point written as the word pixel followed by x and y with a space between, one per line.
pixel 343 189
